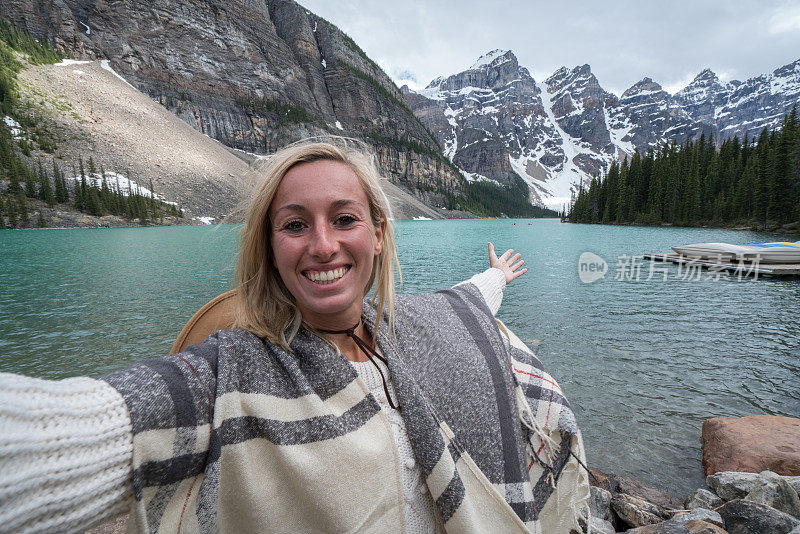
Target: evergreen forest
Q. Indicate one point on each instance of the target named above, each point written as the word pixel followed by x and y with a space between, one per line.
pixel 754 183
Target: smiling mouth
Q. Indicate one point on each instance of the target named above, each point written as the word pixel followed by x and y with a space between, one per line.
pixel 326 277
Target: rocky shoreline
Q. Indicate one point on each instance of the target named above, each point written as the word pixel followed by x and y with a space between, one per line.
pixel 752 468
pixel 732 502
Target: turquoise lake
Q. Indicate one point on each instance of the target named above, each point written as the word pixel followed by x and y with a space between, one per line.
pixel 643 362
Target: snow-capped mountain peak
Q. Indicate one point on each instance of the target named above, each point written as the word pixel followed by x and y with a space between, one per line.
pixel 494 121
pixel 492 58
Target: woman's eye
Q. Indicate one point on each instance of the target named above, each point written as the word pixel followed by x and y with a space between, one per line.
pixel 345 220
pixel 293 226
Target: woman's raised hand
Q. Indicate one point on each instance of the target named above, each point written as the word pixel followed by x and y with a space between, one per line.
pixel 510 265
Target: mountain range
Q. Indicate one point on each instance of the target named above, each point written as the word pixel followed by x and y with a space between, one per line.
pixel 494 120
pixel 259 74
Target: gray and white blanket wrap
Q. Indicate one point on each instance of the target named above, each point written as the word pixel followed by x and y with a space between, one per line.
pixel 239 435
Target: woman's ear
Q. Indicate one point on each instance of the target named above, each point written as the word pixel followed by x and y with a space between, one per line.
pixel 379 231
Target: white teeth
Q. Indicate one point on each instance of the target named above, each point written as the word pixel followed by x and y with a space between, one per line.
pixel 326 277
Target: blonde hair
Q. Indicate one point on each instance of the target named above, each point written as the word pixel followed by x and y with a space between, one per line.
pixel 263 305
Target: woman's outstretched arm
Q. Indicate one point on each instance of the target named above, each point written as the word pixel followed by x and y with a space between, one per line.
pixel 66 450
pixel 502 271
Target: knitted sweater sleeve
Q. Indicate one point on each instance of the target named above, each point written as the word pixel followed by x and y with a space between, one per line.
pixel 66 451
pixel 491 283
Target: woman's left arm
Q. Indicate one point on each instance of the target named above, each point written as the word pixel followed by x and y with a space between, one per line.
pixel 502 271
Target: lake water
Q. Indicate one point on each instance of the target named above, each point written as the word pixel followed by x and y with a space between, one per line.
pixel 643 362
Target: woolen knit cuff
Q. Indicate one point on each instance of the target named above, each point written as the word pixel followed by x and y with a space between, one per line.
pixel 491 283
pixel 66 452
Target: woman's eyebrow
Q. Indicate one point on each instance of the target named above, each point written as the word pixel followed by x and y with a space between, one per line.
pixel 345 202
pixel 337 204
pixel 290 207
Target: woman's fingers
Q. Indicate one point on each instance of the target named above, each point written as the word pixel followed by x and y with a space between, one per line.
pixel 517 274
pixel 510 263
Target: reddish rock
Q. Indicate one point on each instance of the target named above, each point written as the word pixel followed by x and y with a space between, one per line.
pixel 601 480
pixel 752 444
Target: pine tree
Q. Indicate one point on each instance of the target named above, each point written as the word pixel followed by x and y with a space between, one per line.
pixel 761 192
pixel 22 207
pixel 13 183
pixel 92 169
pixel 2 213
pixel 40 222
pixel 45 189
pixel 11 211
pixel 30 184
pixel 62 193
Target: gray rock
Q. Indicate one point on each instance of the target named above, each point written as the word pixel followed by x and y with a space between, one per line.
pixel 636 512
pixel 701 527
pixel 701 514
pixel 747 517
pixel 643 491
pixel 774 491
pixel 731 485
pixel 703 498
pixel 600 503
pixel 600 526
pixel 795 530
pixel 667 527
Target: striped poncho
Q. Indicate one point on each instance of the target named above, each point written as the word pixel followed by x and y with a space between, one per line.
pixel 239 435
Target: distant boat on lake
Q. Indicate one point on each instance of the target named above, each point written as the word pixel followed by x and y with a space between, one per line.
pixel 778 252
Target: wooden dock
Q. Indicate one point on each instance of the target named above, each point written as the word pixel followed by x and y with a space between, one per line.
pixel 741 268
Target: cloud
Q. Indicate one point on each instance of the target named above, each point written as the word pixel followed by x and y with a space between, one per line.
pixel 784 19
pixel 622 40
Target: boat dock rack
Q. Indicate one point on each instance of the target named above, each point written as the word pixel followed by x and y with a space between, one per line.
pixel 746 268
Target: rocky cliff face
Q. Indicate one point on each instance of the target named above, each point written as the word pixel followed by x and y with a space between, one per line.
pixel 255 75
pixel 494 119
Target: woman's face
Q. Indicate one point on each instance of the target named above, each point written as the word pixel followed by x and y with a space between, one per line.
pixel 324 242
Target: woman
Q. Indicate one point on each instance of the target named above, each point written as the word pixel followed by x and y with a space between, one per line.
pixel 324 410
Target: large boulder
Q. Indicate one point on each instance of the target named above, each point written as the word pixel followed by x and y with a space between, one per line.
pixel 701 514
pixel 774 491
pixel 703 498
pixel 746 517
pixel 636 512
pixel 600 502
pixel 643 491
pixel 731 485
pixel 752 444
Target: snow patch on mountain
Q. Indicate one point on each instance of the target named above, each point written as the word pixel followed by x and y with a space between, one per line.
pixel 565 181
pixel 488 59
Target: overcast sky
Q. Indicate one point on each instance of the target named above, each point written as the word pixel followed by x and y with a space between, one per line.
pixel 670 41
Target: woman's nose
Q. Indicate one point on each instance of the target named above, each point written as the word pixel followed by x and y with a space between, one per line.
pixel 323 243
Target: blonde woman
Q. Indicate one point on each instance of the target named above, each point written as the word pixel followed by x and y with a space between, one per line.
pixel 326 409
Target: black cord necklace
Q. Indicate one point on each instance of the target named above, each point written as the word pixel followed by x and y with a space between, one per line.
pixel 369 352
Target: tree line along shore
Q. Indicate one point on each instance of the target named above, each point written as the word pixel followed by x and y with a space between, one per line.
pixel 750 183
